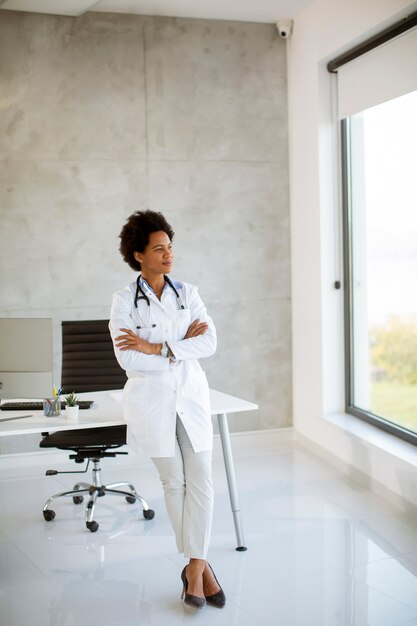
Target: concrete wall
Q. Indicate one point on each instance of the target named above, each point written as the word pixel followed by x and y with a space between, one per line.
pixel 105 114
pixel 321 32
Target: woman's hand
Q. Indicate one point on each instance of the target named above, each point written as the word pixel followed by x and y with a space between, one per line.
pixel 196 328
pixel 130 341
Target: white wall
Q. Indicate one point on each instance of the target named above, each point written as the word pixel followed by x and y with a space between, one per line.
pixel 321 32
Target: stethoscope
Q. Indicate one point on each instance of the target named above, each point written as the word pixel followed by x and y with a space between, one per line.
pixel 148 302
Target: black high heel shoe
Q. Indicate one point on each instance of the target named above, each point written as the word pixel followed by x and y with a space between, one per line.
pixel 218 599
pixel 195 601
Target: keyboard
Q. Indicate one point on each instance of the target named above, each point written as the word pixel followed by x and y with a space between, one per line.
pixel 38 405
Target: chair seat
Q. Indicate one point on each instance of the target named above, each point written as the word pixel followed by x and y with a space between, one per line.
pixel 108 436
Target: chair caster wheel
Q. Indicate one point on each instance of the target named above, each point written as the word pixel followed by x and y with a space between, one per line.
pixel 48 515
pixel 130 499
pixel 92 526
pixel 149 514
pixel 77 499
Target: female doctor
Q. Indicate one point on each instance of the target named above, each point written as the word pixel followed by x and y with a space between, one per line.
pixel 160 328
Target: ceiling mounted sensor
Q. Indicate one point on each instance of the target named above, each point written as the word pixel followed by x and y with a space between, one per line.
pixel 284 28
pixel 54 7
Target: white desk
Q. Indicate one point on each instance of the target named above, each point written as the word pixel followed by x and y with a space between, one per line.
pixel 108 411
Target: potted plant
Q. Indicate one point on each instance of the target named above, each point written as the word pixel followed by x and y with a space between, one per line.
pixel 71 407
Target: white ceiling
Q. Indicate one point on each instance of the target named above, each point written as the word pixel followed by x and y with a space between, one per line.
pixel 240 10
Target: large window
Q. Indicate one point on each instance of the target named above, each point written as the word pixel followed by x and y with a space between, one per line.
pixel 380 189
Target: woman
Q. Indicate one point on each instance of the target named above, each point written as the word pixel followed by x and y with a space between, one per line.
pixel 160 328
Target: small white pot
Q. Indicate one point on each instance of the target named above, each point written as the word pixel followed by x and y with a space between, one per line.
pixel 72 412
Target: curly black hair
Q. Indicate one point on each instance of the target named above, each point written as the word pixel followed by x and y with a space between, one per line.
pixel 134 236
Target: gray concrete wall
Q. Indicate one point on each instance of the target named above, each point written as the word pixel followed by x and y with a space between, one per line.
pixel 105 114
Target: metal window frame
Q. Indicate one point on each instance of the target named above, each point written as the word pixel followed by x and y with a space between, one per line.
pixel 346 180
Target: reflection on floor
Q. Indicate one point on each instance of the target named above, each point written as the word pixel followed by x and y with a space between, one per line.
pixel 322 551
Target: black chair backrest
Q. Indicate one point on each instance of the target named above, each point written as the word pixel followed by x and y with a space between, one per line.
pixel 88 360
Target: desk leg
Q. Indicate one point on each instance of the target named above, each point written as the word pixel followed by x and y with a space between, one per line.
pixel 231 479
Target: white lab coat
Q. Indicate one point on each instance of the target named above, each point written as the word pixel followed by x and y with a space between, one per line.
pixel 156 389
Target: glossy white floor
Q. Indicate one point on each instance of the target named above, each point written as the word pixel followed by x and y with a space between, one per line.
pixel 322 551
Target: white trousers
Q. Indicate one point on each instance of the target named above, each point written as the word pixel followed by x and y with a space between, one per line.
pixel 188 491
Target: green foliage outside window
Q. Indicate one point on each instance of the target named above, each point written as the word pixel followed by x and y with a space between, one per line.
pixel 394 351
pixel 394 372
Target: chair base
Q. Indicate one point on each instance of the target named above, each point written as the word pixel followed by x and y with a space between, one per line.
pixel 94 491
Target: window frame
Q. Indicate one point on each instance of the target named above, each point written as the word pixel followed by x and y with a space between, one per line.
pixel 346 186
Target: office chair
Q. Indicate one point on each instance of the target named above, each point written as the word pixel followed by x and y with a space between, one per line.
pixel 89 364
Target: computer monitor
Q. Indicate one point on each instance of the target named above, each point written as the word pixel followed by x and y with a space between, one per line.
pixel 26 358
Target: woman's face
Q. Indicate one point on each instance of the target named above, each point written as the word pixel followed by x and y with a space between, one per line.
pixel 157 257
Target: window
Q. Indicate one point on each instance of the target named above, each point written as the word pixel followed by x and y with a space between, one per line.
pixel 380 223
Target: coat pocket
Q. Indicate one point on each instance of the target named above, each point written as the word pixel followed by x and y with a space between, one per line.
pixel 136 398
pixel 182 323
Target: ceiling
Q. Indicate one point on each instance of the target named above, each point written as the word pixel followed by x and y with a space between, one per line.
pixel 239 10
